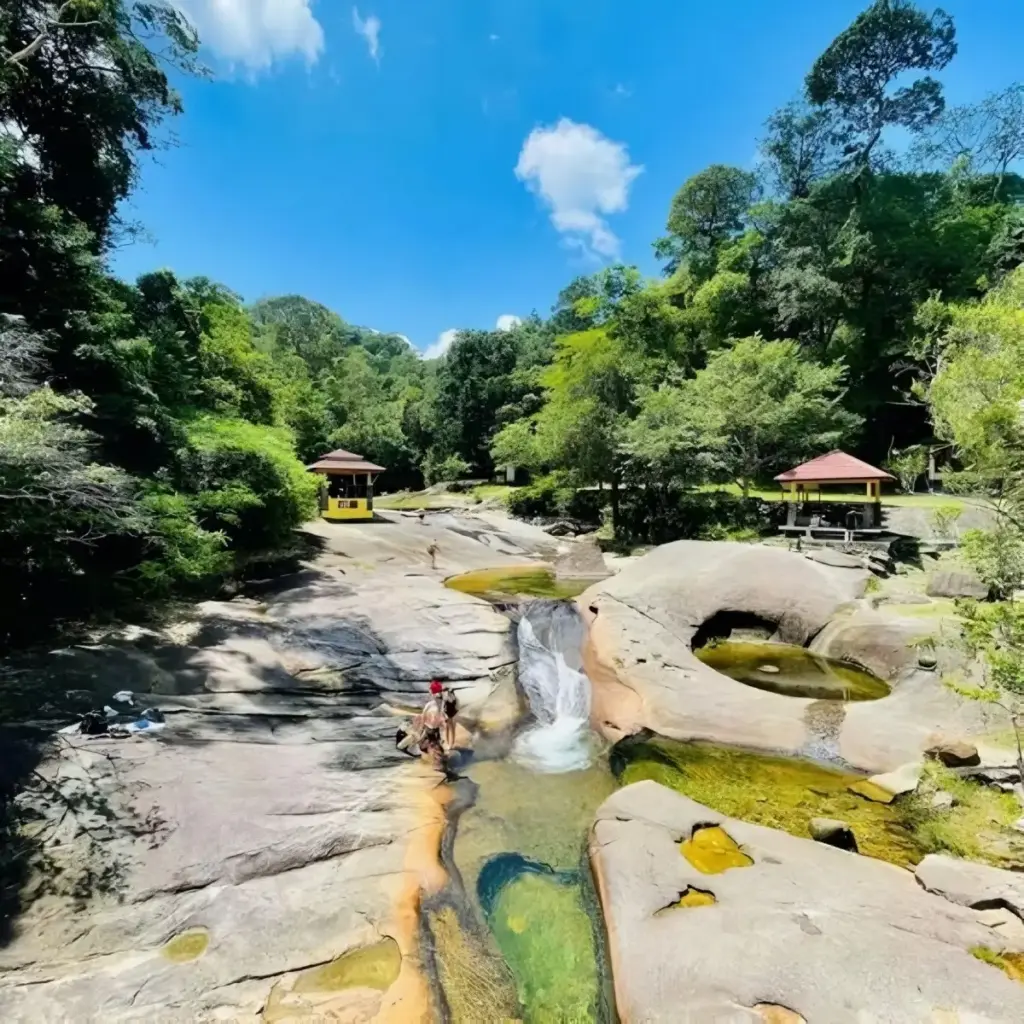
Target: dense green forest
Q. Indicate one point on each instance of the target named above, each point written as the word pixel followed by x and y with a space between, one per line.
pixel 153 434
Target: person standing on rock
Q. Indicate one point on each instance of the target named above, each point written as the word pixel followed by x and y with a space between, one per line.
pixel 433 550
pixel 450 706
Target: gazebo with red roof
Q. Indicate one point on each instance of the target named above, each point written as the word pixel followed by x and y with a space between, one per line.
pixel 347 490
pixel 809 511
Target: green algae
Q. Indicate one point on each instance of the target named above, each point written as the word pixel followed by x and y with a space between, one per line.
pixel 507 582
pixel 791 671
pixel 545 934
pixel 711 850
pixel 779 792
pixel 540 916
pixel 376 966
pixel 186 946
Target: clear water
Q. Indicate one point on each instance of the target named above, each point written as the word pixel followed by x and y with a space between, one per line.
pixel 791 671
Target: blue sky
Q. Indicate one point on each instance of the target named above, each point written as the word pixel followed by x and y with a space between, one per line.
pixel 367 157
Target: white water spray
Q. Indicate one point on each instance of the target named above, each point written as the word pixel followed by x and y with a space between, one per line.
pixel 559 696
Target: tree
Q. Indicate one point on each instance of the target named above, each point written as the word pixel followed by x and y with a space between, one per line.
pixel 799 148
pixel 988 135
pixel 706 212
pixel 760 405
pixel 855 74
pixel 908 466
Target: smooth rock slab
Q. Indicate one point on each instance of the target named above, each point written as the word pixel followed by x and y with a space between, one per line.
pixel 972 885
pixel 831 936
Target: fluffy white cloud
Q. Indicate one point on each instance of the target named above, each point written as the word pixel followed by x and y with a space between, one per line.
pixel 256 33
pixel 443 343
pixel 369 30
pixel 507 321
pixel 582 176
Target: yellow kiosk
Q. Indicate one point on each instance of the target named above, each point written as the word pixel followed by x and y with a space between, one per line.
pixel 346 492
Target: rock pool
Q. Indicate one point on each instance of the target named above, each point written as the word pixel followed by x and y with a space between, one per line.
pixel 506 582
pixel 791 671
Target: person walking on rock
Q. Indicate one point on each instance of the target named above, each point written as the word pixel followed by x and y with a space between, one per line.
pixel 433 550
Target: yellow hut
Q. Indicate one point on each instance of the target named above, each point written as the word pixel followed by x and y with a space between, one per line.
pixel 346 492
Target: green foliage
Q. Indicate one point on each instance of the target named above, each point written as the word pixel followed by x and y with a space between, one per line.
pixel 761 405
pixel 854 76
pixel 553 496
pixel 244 481
pixel 997 556
pixel 945 519
pixel 908 466
pixel 657 516
pixel 445 469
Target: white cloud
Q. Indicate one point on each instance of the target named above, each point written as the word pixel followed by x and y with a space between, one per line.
pixel 256 33
pixel 443 343
pixel 405 339
pixel 580 175
pixel 621 90
pixel 507 321
pixel 369 30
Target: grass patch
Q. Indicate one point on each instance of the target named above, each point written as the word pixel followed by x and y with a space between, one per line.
pixel 1011 964
pixel 410 501
pixel 979 827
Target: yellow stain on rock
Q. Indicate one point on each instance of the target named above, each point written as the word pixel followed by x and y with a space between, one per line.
pixel 517 924
pixel 870 791
pixel 711 850
pixel 375 966
pixel 696 898
pixel 186 946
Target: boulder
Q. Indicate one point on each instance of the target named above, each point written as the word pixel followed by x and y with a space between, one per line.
pixel 901 780
pixel 644 673
pixel 956 583
pixel 783 930
pixel 583 558
pixel 955 754
pixel 972 885
pixel 833 832
pixel 943 801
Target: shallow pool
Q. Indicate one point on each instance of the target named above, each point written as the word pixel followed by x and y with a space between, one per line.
pixel 506 582
pixel 791 671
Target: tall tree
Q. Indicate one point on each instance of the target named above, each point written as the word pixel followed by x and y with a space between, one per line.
pixel 855 75
pixel 799 148
pixel 761 405
pixel 706 212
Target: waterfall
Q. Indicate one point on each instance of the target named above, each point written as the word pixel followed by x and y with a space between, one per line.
pixel 559 740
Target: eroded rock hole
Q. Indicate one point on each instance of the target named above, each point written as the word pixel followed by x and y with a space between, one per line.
pixel 726 625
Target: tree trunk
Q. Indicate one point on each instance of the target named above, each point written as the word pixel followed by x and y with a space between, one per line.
pixel 615 504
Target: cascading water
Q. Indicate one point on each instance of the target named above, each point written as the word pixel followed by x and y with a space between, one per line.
pixel 550 635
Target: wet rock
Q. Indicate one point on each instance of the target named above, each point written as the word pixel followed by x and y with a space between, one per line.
pixel 954 754
pixel 956 583
pixel 833 832
pixel 837 559
pixel 927 661
pixel 972 885
pixel 822 909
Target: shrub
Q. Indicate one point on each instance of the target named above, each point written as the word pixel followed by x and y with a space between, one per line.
pixel 438 469
pixel 552 497
pixel 245 481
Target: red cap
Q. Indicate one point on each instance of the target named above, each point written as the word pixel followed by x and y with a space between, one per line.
pixel 435 687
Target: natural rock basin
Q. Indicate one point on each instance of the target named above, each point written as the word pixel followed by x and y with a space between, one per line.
pixel 507 582
pixel 791 671
pixel 779 792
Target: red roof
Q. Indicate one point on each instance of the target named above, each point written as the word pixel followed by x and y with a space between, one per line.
pixel 341 461
pixel 832 468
